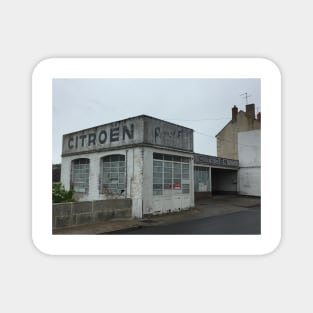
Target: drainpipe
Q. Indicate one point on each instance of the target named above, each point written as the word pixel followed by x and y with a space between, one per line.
pixel 142 172
pixel 126 170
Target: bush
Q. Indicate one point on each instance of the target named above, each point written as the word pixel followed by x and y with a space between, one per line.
pixel 59 194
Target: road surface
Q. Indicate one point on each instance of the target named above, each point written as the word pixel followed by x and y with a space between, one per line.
pixel 240 223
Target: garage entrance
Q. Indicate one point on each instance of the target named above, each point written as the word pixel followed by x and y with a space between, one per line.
pixel 214 176
pixel 224 181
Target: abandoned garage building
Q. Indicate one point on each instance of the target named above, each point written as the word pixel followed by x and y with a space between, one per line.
pixel 146 159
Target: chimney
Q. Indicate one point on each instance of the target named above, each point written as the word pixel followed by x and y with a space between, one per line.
pixel 250 111
pixel 259 116
pixel 234 113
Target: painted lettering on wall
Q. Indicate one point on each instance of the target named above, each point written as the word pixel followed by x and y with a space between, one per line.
pixel 215 161
pixel 104 136
pixel 173 134
pixel 157 134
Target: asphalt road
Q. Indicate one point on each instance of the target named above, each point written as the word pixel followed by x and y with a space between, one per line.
pixel 241 223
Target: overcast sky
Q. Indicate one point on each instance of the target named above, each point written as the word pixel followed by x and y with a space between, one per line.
pixel 201 104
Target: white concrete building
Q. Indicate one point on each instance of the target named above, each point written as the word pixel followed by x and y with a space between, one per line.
pixel 142 158
pixel 214 175
pixel 249 154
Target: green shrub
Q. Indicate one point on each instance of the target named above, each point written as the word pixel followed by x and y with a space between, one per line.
pixel 59 194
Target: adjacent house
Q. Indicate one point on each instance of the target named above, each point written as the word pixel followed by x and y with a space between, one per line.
pixel 240 139
pixel 227 138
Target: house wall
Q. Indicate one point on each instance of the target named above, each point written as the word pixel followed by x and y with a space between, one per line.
pixel 249 151
pixel 227 141
pixel 250 181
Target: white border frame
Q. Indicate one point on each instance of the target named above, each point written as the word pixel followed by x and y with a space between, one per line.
pixel 49 69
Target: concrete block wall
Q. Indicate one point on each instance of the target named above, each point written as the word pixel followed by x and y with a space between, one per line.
pixel 89 212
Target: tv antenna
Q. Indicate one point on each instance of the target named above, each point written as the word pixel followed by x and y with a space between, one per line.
pixel 246 96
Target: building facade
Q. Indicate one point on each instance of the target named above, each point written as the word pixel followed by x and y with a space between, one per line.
pixel 227 138
pixel 214 175
pixel 147 160
pixel 142 158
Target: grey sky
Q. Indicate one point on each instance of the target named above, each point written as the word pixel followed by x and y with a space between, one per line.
pixel 201 104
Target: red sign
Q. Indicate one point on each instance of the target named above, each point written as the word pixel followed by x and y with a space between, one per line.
pixel 177 186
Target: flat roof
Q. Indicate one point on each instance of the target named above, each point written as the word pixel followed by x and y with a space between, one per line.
pixel 143 116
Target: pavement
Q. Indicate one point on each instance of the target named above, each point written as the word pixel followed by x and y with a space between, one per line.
pixel 215 206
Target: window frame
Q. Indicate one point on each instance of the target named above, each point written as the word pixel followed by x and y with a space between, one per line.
pixel 112 180
pixel 176 175
pixel 79 165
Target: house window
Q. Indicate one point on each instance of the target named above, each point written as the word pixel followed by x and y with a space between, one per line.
pixel 80 175
pixel 171 174
pixel 113 175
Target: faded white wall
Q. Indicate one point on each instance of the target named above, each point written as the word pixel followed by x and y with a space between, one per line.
pixel 249 154
pixel 94 174
pixel 139 177
pixel 175 200
pixel 249 181
pixel 135 180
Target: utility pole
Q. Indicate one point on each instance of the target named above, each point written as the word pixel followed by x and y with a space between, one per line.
pixel 246 96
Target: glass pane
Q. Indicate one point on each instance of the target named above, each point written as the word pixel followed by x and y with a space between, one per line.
pixel 158 156
pixel 186 188
pixel 80 175
pixel 113 178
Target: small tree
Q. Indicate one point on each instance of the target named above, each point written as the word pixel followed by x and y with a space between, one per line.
pixel 59 194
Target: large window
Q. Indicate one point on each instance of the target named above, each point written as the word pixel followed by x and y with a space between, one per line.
pixel 113 175
pixel 202 179
pixel 80 175
pixel 171 173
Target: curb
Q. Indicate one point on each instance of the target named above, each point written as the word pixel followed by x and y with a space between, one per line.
pixel 121 230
